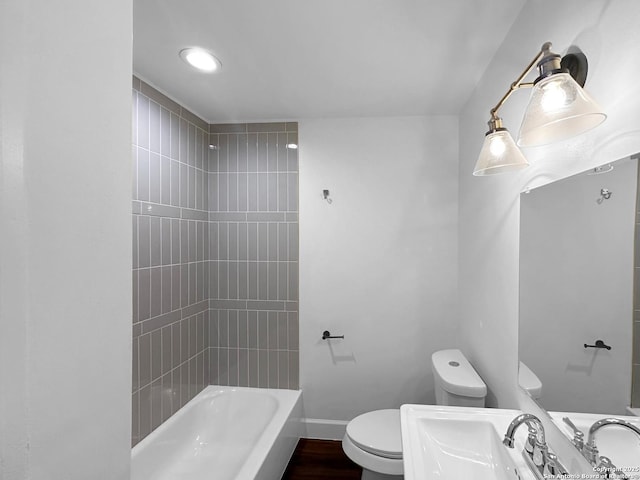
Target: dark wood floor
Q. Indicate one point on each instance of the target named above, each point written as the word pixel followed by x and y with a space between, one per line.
pixel 320 459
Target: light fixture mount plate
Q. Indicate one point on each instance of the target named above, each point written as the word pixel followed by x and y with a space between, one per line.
pixel 576 64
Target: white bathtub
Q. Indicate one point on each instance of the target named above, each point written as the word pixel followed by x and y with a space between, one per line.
pixel 224 433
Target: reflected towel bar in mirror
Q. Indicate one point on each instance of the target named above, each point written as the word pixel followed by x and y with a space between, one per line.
pixel 599 344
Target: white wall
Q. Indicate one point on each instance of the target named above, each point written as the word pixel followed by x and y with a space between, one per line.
pixel 576 286
pixel 65 248
pixel 377 265
pixel 489 207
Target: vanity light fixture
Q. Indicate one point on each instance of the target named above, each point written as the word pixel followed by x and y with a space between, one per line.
pixel 558 109
pixel 200 59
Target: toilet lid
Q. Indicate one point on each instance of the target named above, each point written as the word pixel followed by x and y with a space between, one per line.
pixel 377 432
pixel 456 375
pixel 529 381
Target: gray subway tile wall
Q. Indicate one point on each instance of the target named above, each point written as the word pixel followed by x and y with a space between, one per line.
pixel 253 246
pixel 215 256
pixel 170 259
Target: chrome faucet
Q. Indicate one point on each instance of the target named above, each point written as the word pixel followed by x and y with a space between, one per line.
pixel 535 448
pixel 590 450
pixel 532 422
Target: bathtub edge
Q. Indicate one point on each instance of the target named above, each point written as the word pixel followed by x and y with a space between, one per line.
pixel 282 449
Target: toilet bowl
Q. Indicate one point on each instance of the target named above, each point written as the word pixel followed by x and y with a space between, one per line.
pixel 373 439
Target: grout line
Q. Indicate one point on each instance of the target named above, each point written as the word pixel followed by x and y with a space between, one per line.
pixel 180 365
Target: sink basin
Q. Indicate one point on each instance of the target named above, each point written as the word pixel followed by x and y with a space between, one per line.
pixel 620 444
pixel 452 443
pixel 452 447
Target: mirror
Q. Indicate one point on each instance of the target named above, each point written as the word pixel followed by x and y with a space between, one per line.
pixel 576 289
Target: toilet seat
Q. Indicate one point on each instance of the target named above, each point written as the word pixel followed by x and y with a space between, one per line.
pixel 370 462
pixel 377 433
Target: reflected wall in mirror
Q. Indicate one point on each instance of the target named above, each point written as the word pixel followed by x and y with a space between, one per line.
pixel 577 287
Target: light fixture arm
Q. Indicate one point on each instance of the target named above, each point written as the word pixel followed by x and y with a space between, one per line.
pixel 544 51
pixel 558 108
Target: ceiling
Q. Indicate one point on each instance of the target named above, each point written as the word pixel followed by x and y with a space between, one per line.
pixel 291 59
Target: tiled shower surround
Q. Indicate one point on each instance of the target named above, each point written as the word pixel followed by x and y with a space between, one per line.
pixel 215 256
pixel 254 255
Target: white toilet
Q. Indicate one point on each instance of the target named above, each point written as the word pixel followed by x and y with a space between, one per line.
pixel 529 381
pixel 373 439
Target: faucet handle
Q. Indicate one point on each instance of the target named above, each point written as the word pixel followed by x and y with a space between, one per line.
pixel 605 466
pixel 530 444
pixel 553 468
pixel 540 455
pixel 578 435
pixel 573 427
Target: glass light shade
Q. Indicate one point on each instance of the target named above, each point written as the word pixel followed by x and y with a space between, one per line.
pixel 558 108
pixel 499 154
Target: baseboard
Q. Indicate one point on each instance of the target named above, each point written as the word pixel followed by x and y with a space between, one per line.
pixel 322 429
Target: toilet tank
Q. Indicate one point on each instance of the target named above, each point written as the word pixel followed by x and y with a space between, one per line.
pixel 529 381
pixel 456 382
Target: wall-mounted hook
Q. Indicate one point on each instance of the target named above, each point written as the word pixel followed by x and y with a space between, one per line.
pixel 605 194
pixel 325 196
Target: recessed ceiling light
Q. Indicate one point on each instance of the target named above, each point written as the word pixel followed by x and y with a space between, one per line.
pixel 292 146
pixel 200 59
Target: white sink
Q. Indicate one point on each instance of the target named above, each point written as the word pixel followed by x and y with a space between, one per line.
pixel 453 443
pixel 620 444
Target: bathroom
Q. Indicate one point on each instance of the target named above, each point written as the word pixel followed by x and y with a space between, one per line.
pixel 437 261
